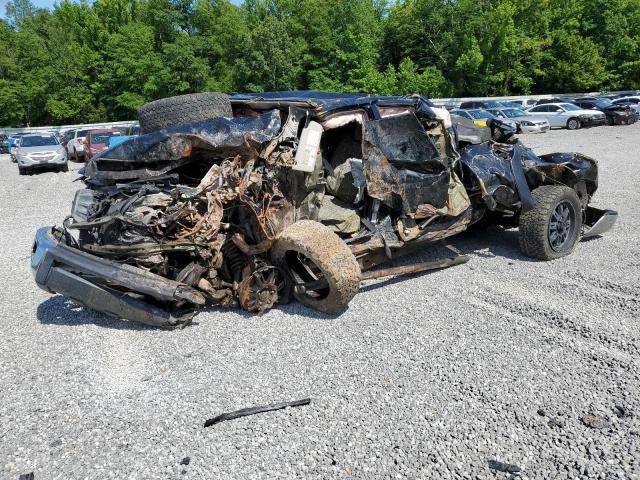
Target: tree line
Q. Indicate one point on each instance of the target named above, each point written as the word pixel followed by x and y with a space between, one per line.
pixel 95 61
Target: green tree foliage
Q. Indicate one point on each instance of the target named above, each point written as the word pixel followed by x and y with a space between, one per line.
pixel 90 61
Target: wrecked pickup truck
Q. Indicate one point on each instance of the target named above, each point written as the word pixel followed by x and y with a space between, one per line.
pixel 252 199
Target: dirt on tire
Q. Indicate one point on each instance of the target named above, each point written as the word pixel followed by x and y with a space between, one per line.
pixel 183 109
pixel 330 254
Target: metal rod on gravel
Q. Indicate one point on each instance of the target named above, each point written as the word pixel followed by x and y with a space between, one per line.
pixel 411 269
pixel 253 410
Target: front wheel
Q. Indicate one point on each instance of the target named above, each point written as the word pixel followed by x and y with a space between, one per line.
pixel 552 228
pixel 573 124
pixel 324 272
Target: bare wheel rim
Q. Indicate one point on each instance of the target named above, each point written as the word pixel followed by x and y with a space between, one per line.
pixel 308 279
pixel 562 225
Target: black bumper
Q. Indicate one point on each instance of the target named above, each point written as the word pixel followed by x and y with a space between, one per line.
pixel 116 289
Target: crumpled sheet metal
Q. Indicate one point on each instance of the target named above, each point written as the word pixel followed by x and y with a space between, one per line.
pixel 403 169
pixel 497 182
pixel 158 153
pixel 211 235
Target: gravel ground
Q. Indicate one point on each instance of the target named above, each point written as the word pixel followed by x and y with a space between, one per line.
pixel 452 374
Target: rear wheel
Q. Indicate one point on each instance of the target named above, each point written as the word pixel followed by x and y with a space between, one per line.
pixel 21 171
pixel 552 228
pixel 324 272
pixel 183 109
pixel 573 124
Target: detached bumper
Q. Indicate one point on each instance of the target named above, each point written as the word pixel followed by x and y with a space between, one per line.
pixel 598 222
pixel 116 289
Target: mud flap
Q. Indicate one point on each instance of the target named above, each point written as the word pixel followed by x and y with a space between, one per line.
pixel 521 183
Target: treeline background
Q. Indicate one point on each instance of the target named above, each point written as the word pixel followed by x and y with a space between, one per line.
pixel 84 62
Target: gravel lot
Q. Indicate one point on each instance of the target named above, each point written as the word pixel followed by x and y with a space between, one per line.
pixel 438 376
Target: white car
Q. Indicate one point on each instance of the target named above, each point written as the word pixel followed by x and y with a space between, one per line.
pixel 76 149
pixel 567 115
pixel 633 102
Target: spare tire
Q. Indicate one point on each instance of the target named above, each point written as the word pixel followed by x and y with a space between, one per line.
pixel 183 109
pixel 324 272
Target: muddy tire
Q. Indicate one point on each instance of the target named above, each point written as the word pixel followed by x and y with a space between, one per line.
pixel 325 274
pixel 552 229
pixel 183 109
pixel 573 124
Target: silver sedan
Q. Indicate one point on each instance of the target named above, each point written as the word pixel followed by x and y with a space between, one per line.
pixel 526 123
pixel 567 115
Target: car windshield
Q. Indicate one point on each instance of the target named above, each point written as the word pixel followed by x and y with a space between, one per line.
pixel 513 112
pixel 102 137
pixel 38 141
pixel 480 114
pixel 82 133
pixel 570 106
pixel 602 103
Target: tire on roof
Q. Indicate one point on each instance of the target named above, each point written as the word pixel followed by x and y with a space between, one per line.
pixel 183 109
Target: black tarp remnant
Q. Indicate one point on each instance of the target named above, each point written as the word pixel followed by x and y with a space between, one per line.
pixel 158 153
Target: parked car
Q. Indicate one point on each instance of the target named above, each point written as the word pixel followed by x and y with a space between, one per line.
pixel 567 115
pixel 475 104
pixel 11 144
pixel 617 114
pixel 98 140
pixel 633 102
pixel 130 131
pixel 40 150
pixel 76 148
pixel 66 136
pixel 296 194
pixel 614 96
pixel 526 103
pixel 543 101
pixel 525 122
pixel 509 104
pixel 480 117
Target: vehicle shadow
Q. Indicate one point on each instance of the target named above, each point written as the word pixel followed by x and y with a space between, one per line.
pixel 59 310
pixel 293 309
pixel 491 242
